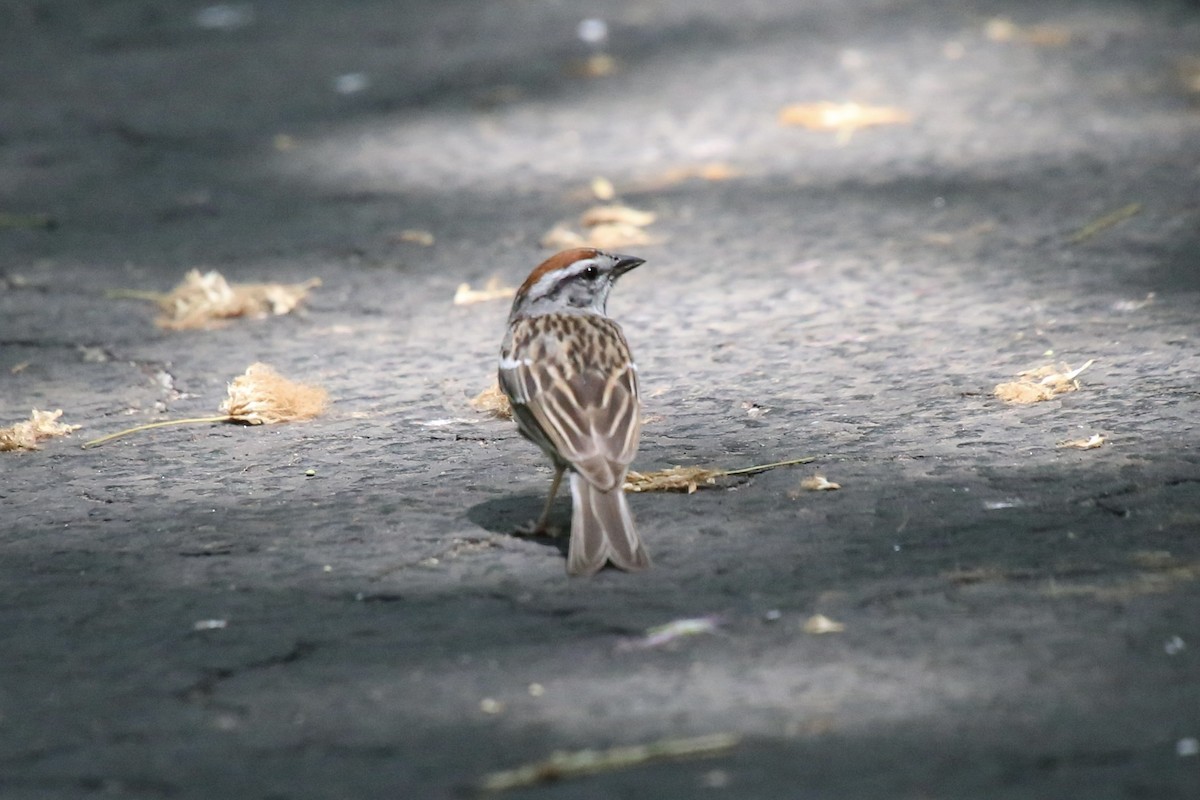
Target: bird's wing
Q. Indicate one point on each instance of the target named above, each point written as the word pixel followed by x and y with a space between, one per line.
pixel 574 387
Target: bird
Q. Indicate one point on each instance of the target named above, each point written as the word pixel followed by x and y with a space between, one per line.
pixel 572 383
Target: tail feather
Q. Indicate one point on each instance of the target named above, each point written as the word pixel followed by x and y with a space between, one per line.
pixel 602 530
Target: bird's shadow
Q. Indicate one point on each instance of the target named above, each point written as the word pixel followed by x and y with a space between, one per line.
pixel 505 515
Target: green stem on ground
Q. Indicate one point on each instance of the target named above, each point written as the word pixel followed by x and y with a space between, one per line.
pixel 765 467
pixel 148 426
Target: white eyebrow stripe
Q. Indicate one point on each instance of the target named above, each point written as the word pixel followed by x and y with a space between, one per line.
pixel 544 284
pixel 551 279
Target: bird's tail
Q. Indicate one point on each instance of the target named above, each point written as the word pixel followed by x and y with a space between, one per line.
pixel 602 530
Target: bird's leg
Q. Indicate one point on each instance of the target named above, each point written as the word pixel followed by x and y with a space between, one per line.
pixel 539 528
pixel 558 473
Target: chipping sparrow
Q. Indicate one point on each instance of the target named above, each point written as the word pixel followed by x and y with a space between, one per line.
pixel 573 385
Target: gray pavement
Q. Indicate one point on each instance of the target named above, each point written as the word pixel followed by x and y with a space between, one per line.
pixel 1020 620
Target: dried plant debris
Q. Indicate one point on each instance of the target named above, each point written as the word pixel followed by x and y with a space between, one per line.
pixel 819 623
pixel 259 396
pixel 609 214
pixel 44 221
pixel 1105 222
pixel 415 236
pixel 562 764
pixel 709 171
pixel 206 300
pixel 1041 384
pixel 969 576
pixel 754 410
pixel 607 227
pixel 818 483
pixel 1090 443
pixel 464 295
pixel 459 546
pixel 561 237
pixel 597 65
pixel 1156 573
pixel 40 425
pixel 1002 29
pixel 689 479
pixel 603 189
pixel 1129 306
pixel 947 238
pixel 617 235
pixel 671 479
pixel 843 118
pixel 662 635
pixel 494 402
pixel 1189 74
pixel 469 545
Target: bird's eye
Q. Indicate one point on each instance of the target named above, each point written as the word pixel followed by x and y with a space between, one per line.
pixel 591 272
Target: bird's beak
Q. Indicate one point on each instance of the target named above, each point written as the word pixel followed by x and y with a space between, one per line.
pixel 626 263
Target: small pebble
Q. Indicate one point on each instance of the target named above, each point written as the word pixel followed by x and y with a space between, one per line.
pixel 225 16
pixel 592 31
pixel 1187 747
pixel 351 83
pixel 996 505
pixel 210 624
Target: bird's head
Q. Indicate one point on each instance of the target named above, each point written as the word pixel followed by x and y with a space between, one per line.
pixel 573 280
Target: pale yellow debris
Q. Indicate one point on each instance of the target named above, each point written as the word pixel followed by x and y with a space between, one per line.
pixel 416 236
pixel 844 118
pixel 818 483
pixel 261 396
pixel 464 295
pixel 562 764
pixel 606 227
pixel 671 479
pixel 40 425
pixel 603 189
pixel 1090 443
pixel 1040 384
pixel 819 624
pixel 494 402
pixel 203 300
